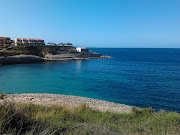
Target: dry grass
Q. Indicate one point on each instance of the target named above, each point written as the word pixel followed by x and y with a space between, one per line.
pixel 37 119
pixel 31 119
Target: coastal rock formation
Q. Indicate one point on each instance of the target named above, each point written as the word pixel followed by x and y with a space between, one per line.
pixel 19 59
pixel 74 56
pixel 67 100
pixel 32 54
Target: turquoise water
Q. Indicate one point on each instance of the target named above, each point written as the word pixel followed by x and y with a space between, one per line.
pixel 138 77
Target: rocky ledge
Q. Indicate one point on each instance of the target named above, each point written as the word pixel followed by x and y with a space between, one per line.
pixel 20 59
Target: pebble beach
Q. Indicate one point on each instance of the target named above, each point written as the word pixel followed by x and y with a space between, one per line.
pixel 67 100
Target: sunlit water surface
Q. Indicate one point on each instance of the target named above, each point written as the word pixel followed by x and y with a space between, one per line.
pixel 136 77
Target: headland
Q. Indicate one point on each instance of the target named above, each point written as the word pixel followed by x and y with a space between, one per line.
pixel 43 53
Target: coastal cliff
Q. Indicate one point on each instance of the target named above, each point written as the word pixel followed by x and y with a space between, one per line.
pixel 20 59
pixel 40 51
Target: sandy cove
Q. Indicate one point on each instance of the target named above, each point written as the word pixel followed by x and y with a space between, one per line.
pixel 66 100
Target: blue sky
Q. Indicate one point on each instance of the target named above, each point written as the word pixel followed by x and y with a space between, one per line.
pixel 94 23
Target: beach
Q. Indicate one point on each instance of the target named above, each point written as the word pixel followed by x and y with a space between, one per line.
pixel 66 100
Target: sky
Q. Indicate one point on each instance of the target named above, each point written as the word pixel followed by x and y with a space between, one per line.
pixel 94 23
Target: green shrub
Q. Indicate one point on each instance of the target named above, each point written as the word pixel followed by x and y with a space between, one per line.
pixel 145 111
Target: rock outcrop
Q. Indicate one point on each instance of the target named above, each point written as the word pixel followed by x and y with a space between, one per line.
pixel 20 59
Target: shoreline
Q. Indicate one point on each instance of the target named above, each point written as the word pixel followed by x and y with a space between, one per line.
pixel 20 59
pixel 66 100
pixel 74 59
pixel 25 59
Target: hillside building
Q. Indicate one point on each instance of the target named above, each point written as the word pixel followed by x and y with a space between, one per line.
pixel 5 41
pixel 28 41
pixel 12 42
pixel 82 49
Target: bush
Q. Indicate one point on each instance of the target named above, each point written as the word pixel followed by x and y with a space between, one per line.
pixel 145 111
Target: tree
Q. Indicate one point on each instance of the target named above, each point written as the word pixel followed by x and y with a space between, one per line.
pixel 63 44
pixel 49 43
pixel 60 44
pixel 52 44
pixel 69 44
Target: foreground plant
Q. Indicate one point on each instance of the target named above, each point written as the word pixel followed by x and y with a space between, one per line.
pixel 36 119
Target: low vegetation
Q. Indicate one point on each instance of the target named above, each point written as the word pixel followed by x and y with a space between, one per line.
pixel 35 50
pixel 36 119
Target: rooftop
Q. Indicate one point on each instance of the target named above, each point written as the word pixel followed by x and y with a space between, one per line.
pixel 4 37
pixel 29 39
pixel 82 47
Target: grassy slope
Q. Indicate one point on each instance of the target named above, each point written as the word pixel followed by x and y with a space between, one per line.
pixel 36 119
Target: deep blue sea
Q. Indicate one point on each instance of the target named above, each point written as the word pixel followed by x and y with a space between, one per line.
pixel 136 77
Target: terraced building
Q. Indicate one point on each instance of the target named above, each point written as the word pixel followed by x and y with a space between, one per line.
pixel 5 41
pixel 28 41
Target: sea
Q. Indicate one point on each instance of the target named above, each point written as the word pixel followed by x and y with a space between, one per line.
pixel 141 77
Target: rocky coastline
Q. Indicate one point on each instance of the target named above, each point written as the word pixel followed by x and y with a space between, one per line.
pixel 77 58
pixel 23 59
pixel 20 59
pixel 33 54
pixel 66 100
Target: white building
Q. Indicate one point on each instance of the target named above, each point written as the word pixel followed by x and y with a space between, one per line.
pixel 28 41
pixel 82 49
